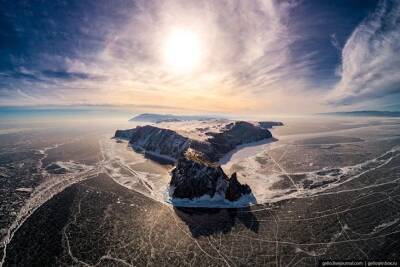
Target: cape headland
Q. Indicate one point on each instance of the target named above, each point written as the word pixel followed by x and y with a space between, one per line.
pixel 195 147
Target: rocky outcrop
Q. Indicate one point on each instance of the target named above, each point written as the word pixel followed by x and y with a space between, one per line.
pixel 193 179
pixel 124 134
pixel 196 171
pixel 235 189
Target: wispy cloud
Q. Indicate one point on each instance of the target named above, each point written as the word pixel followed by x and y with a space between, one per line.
pixel 335 42
pixel 371 58
pixel 246 52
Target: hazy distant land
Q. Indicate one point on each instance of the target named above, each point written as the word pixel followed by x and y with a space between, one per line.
pixel 365 113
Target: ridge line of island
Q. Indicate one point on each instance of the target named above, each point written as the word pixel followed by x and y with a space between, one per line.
pixel 196 151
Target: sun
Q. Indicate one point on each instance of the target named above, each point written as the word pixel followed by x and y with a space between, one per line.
pixel 182 51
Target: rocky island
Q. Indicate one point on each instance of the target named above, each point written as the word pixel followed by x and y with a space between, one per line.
pixel 195 148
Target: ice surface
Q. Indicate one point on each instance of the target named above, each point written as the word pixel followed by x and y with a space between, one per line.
pixel 253 173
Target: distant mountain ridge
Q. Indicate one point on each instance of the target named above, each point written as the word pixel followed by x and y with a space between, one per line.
pixel 156 118
pixel 365 113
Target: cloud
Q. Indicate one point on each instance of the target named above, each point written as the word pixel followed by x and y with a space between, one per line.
pixel 371 58
pixel 245 43
pixel 247 61
pixel 335 42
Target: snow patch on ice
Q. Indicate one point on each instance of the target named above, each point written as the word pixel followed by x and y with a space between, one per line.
pixel 117 163
pixel 244 151
pixel 73 167
pixel 24 189
pixel 253 173
pixel 319 181
pixel 195 130
pixel 384 225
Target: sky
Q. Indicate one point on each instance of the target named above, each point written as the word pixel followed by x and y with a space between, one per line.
pixel 195 56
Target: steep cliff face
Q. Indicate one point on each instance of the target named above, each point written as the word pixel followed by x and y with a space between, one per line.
pixel 124 134
pixel 194 179
pixel 158 141
pixel 235 189
pixel 155 141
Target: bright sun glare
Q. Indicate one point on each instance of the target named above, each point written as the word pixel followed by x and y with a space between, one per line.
pixel 182 51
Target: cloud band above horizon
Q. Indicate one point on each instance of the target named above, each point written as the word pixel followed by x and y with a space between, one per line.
pixel 256 56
